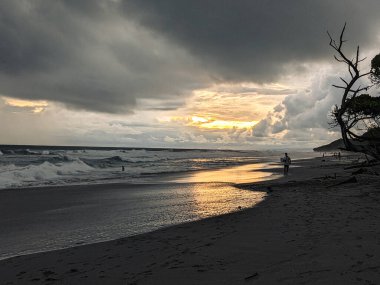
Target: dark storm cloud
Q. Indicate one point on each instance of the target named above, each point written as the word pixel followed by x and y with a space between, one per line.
pixel 88 56
pixel 105 55
pixel 255 40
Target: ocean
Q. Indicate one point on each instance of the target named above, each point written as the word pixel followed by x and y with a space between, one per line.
pixel 59 197
pixel 30 166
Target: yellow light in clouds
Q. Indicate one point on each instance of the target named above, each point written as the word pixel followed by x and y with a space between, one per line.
pixel 37 106
pixel 38 109
pixel 220 124
pixel 196 119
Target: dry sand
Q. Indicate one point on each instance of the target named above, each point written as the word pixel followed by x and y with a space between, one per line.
pixel 309 230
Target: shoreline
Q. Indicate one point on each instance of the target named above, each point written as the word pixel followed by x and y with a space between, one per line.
pixel 152 178
pixel 272 168
pixel 284 239
pixel 71 208
pixel 83 243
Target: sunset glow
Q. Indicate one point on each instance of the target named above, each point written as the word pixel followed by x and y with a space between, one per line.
pixel 211 123
pixel 36 106
pixel 220 124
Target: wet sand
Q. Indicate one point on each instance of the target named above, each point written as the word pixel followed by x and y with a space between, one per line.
pixel 50 218
pixel 313 228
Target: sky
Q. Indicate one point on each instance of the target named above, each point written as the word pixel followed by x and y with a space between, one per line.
pixel 180 74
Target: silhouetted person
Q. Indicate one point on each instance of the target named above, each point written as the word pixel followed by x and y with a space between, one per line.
pixel 122 168
pixel 286 161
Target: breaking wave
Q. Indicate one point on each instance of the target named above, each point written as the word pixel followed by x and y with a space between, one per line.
pixel 15 176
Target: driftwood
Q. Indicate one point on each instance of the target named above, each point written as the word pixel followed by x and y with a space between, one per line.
pixel 252 276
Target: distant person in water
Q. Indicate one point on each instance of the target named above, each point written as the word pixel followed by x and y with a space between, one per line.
pixel 122 168
pixel 286 161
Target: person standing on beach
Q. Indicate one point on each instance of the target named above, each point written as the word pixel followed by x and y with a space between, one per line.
pixel 286 161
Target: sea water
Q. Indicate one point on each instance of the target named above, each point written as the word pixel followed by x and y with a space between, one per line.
pixel 158 188
pixel 44 166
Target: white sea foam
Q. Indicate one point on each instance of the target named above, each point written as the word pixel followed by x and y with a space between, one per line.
pixel 16 176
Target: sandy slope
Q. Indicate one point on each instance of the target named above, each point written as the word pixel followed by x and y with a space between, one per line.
pixel 307 231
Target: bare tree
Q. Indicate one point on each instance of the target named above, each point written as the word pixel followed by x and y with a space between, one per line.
pixel 358 113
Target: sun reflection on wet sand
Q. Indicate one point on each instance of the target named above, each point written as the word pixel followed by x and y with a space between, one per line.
pixel 237 174
pixel 211 199
pixel 213 191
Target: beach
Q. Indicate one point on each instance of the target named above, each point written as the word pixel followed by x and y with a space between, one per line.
pixel 189 142
pixel 319 225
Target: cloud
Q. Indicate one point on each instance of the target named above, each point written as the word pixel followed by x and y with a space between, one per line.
pixel 106 55
pixel 136 61
pixel 257 40
pixel 88 56
pixel 305 115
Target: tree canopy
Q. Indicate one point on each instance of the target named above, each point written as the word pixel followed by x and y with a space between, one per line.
pixel 375 70
pixel 364 105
